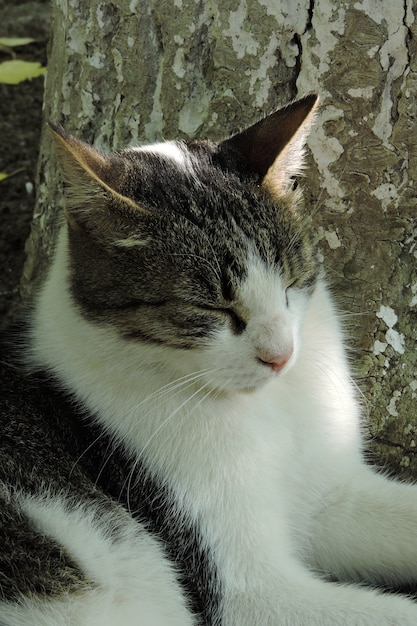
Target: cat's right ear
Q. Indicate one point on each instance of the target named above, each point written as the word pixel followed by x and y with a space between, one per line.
pixel 92 181
pixel 273 148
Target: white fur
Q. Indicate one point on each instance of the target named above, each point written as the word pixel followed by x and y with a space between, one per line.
pixel 134 582
pixel 272 473
pixel 172 150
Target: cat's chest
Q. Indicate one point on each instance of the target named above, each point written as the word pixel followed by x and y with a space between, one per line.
pixel 287 445
pixel 263 445
pixel 255 455
pixel 280 434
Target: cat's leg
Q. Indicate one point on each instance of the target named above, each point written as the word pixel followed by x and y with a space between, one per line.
pixel 90 608
pixel 293 597
pixel 367 530
pixel 124 576
pixel 265 584
pixel 296 597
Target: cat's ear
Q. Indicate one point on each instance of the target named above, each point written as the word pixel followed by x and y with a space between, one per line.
pixel 93 180
pixel 274 146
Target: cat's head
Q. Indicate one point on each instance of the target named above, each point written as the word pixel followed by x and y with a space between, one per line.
pixel 198 249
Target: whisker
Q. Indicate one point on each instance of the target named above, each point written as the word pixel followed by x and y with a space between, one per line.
pixel 164 423
pixel 84 452
pixel 324 368
pixel 178 383
pixel 110 446
pixel 186 381
pixel 129 485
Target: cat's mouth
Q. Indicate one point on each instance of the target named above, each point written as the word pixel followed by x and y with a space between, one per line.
pixel 253 382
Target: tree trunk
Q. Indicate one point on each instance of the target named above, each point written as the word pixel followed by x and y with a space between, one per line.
pixel 131 72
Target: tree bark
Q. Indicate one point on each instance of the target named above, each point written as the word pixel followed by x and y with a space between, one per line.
pixel 131 72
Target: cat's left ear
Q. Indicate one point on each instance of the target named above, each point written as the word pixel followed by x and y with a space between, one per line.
pixel 274 147
pixel 94 183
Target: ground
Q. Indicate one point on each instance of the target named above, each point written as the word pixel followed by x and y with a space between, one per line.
pixel 20 127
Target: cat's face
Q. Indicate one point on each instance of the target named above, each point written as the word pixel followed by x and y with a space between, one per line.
pixel 190 251
pixel 268 343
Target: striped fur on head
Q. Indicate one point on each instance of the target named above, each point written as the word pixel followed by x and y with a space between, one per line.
pixel 160 235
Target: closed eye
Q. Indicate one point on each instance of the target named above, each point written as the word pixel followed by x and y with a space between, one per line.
pixel 307 284
pixel 237 322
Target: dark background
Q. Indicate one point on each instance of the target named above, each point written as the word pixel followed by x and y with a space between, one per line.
pixel 20 126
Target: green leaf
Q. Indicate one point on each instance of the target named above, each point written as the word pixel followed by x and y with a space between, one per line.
pixel 4 175
pixel 10 42
pixel 14 72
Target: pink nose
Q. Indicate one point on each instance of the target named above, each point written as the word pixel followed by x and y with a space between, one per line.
pixel 278 361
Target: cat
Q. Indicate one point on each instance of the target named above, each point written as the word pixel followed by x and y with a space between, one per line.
pixel 183 446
